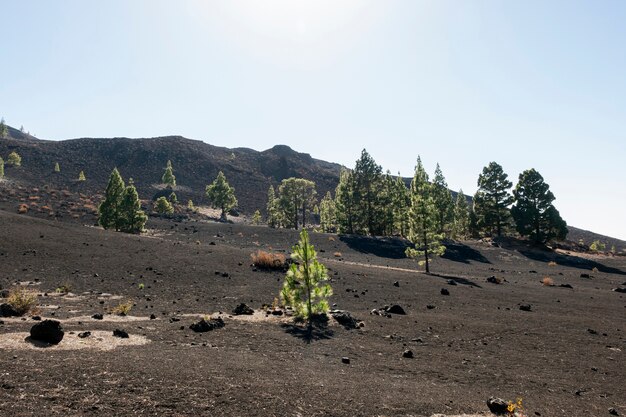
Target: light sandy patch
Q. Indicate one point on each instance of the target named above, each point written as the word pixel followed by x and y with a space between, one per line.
pixel 99 340
pixel 111 318
pixel 259 316
pixel 462 415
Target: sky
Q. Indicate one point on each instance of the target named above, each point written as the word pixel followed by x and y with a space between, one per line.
pixel 528 84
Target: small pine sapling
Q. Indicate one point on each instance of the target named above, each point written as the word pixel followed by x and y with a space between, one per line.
pixel 256 217
pixel 305 289
pixel 81 176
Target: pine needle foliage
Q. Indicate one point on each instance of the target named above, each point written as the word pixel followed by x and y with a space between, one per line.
pixel 109 209
pixel 168 178
pixel 163 206
pixel 221 194
pixel 305 288
pixel 461 223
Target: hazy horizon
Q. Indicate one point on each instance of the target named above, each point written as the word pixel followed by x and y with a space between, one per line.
pixel 526 84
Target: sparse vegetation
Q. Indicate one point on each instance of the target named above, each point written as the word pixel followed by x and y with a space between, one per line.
pixel 337 254
pixel 305 289
pixel 22 300
pixel 256 217
pixel 597 246
pixel 190 206
pixel 268 260
pixel 173 198
pixel 81 176
pixel 123 308
pixel 57 167
pixel 552 263
pixel 64 288
pixel 547 281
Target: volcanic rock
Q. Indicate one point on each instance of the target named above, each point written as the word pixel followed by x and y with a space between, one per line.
pixel 49 331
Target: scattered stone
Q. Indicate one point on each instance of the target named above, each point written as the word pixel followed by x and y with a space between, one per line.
pixel 97 316
pixel 396 284
pixel 591 331
pixel 417 340
pixel 120 333
pixel 565 286
pixel 345 319
pixel 207 325
pixel 49 331
pixel 622 290
pixel 7 310
pixel 497 405
pixel 444 291
pixel 532 272
pixel 36 318
pixel 407 354
pixel 451 282
pixel 345 360
pixel 243 309
pixel 152 317
pixel 525 307
pixel 585 276
pixel 225 274
pixel 613 412
pixel 277 312
pixel 492 279
pixel 84 335
pixel 430 306
pixel 395 309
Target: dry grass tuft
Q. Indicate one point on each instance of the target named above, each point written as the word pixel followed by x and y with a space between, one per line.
pixel 22 300
pixel 331 239
pixel 337 254
pixel 551 263
pixel 123 308
pixel 64 288
pixel 23 208
pixel 268 260
pixel 547 281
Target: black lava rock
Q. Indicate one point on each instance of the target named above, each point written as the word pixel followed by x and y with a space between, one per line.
pixel 97 316
pixel 622 290
pixel 497 405
pixel 120 333
pixel 396 284
pixel 345 319
pixel 395 309
pixel 407 354
pixel 345 360
pixel 451 282
pixel 243 308
pixel 207 325
pixel 565 286
pixel 525 307
pixel 7 310
pixel 445 291
pixel 49 331
pixel 84 335
pixel 585 276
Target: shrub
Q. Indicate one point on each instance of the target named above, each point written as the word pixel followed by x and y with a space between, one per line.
pixel 123 308
pixel 22 300
pixel 551 263
pixel 548 282
pixel 597 246
pixel 14 159
pixel 64 288
pixel 268 260
pixel 337 254
pixel 22 209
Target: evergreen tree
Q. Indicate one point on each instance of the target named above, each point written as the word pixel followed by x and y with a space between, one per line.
pixel 273 212
pixel 296 198
pixel 423 220
pixel 173 198
pixel 401 203
pixel 4 130
pixel 168 177
pixel 163 206
pixel 461 224
pixel 81 176
pixel 221 195
pixel 345 201
pixel 474 226
pixel 256 217
pixel 305 289
pixel 14 159
pixel 57 167
pixel 443 202
pixel 328 214
pixel 367 182
pixel 384 221
pixel 190 206
pixel 109 210
pixel 493 199
pixel 533 211
pixel 1 168
pixel 133 219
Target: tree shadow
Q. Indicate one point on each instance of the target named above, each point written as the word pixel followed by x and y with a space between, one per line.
pixel 569 261
pixel 458 252
pixel 384 247
pixel 458 280
pixel 308 332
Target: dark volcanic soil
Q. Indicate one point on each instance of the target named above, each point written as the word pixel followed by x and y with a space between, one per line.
pixel 564 358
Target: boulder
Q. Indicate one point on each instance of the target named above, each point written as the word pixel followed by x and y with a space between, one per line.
pixel 395 309
pixel 525 307
pixel 444 291
pixel 48 331
pixel 207 325
pixel 7 310
pixel 497 405
pixel 622 290
pixel 407 354
pixel 123 334
pixel 243 309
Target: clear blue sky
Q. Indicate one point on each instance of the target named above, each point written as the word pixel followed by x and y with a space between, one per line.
pixel 538 84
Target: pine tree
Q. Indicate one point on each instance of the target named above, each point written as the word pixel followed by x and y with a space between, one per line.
pixel 443 202
pixel 1 168
pixel 4 130
pixel 305 289
pixel 461 224
pixel 109 210
pixel 162 206
pixel 401 203
pixel 57 167
pixel 221 194
pixel 533 211
pixel 493 199
pixel 256 217
pixel 384 221
pixel 367 182
pixel 133 219
pixel 345 201
pixel 173 198
pixel 273 217
pixel 14 159
pixel 423 220
pixel 81 176
pixel 328 214
pixel 296 199
pixel 168 177
pixel 190 206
